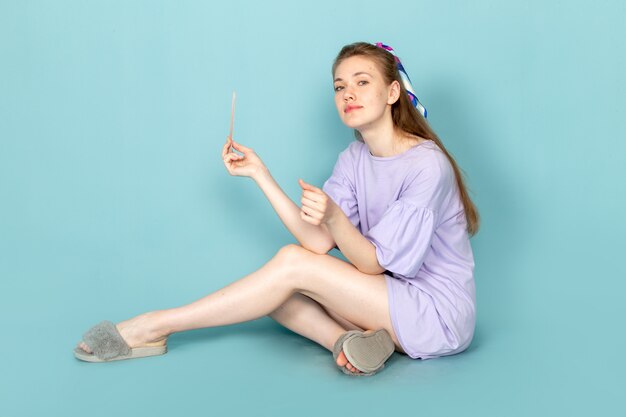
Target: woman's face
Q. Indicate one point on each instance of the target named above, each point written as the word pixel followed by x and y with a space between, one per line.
pixel 361 95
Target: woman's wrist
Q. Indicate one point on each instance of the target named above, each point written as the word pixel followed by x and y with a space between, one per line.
pixel 261 174
pixel 335 214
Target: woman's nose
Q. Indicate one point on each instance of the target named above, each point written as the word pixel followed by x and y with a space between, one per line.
pixel 348 95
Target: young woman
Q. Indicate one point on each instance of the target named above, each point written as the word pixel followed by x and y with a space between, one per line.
pixel 395 206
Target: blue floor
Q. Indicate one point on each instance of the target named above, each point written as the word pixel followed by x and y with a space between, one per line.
pixel 514 366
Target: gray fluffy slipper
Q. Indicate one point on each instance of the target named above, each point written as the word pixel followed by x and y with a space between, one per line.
pixel 366 352
pixel 107 345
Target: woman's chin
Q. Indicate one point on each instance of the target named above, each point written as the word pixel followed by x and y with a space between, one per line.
pixel 358 123
pixel 352 124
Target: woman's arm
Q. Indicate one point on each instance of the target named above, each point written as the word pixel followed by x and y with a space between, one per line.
pixel 311 237
pixel 314 238
pixel 353 245
pixel 321 210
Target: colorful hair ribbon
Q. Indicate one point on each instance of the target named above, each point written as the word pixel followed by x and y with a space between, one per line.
pixel 406 81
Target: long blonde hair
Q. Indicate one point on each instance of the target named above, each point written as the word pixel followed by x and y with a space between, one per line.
pixel 407 118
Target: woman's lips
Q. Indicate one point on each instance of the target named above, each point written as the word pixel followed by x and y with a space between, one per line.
pixel 350 108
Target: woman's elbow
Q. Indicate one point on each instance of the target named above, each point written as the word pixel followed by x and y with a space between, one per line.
pixel 375 270
pixel 320 249
pixel 371 270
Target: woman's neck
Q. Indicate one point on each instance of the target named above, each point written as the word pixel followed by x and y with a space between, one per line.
pixel 383 140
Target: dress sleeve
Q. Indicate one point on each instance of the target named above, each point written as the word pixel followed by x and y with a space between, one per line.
pixel 404 234
pixel 339 187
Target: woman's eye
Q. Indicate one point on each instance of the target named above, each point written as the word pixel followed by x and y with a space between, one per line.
pixel 362 81
pixel 338 88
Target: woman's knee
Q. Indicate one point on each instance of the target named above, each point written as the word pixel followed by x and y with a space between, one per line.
pixel 294 261
pixel 292 255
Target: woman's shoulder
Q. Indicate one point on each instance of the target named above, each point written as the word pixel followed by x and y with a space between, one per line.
pixel 355 148
pixel 431 164
pixel 351 152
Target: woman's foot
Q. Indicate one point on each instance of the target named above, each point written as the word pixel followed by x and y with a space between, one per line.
pixel 343 361
pixel 140 331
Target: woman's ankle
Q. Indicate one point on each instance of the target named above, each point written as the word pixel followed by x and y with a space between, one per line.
pixel 159 324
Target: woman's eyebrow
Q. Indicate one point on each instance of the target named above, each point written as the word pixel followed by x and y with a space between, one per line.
pixel 355 74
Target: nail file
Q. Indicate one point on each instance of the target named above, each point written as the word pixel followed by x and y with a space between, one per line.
pixel 232 116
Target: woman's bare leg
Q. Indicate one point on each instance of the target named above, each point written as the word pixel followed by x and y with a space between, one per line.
pixel 308 318
pixel 358 297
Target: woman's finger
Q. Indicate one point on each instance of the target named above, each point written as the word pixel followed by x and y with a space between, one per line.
pixel 240 147
pixel 307 186
pixel 311 203
pixel 232 156
pixel 313 195
pixel 311 212
pixel 309 219
pixel 236 156
pixel 231 163
pixel 225 148
pixel 313 188
pixel 304 217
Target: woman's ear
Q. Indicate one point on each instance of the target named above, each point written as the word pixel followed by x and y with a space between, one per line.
pixel 394 92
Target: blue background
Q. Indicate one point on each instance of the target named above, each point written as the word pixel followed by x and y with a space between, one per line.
pixel 115 201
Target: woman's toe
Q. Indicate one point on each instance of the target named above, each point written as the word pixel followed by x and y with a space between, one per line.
pixel 341 359
pixel 354 369
pixel 84 347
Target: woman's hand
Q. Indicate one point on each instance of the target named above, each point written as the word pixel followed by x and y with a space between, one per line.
pixel 317 207
pixel 246 165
